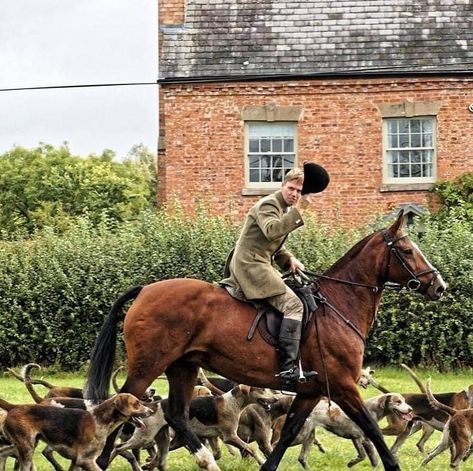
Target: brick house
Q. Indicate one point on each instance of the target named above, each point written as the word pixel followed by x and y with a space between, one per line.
pixel 380 92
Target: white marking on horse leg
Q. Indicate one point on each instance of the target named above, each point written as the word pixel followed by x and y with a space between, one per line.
pixel 206 460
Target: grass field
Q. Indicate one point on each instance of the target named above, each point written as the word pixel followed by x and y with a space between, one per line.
pixel 339 451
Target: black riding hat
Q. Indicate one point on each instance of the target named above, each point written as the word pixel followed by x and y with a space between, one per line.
pixel 316 178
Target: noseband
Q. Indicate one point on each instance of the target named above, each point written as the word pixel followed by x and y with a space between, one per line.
pixel 413 284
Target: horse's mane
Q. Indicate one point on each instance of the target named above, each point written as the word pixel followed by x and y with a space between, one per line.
pixel 350 255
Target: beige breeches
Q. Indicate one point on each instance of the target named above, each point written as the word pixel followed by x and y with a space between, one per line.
pixel 289 304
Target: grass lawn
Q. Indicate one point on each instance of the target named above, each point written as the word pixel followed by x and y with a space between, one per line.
pixel 339 451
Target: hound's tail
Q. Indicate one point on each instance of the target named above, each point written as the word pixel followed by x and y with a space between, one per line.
pixel 378 386
pixel 25 375
pixel 415 378
pixel 116 388
pixel 435 403
pixel 6 406
pixel 103 353
pixel 205 382
pixel 33 380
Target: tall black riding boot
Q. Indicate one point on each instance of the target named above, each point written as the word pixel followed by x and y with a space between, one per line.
pixel 288 346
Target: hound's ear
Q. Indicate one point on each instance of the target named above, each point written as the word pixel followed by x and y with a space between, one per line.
pixel 383 401
pixel 245 389
pixel 119 401
pixel 398 224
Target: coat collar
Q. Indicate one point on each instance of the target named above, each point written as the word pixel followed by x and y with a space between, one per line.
pixel 279 197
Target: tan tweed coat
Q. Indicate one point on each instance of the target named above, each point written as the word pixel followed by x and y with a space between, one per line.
pixel 261 243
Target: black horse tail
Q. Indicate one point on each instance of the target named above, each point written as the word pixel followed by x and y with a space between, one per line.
pixel 103 353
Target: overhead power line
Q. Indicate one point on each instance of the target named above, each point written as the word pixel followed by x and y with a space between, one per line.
pixel 87 85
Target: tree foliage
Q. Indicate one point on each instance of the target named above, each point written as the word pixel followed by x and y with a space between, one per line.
pixel 456 197
pixel 48 186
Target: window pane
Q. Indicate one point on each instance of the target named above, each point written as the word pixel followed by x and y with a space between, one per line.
pixel 277 161
pixel 427 140
pixel 265 174
pixel 427 170
pixel 254 145
pixel 403 170
pixel 415 140
pixel 403 126
pixel 254 161
pixel 393 170
pixel 288 145
pixel 393 142
pixel 392 126
pixel 415 170
pixel 403 140
pixel 254 176
pixel 415 126
pixel 404 156
pixel 289 161
pixel 393 157
pixel 277 175
pixel 277 145
pixel 416 156
pixel 427 126
pixel 256 130
pixel 265 145
pixel 265 161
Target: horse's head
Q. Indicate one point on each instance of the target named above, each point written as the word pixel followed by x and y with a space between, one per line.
pixel 408 266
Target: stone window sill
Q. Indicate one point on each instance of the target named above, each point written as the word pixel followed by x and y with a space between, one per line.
pixel 258 191
pixel 386 187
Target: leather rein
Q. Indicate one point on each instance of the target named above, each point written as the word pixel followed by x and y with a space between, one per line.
pixel 413 284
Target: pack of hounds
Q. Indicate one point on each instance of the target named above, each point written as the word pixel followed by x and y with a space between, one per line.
pixel 221 411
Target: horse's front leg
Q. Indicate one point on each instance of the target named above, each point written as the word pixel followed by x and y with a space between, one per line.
pixel 298 413
pixel 352 404
pixel 182 376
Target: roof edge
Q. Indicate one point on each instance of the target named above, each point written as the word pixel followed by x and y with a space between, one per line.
pixel 330 75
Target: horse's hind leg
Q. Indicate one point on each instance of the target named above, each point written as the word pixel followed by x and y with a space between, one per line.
pixel 182 376
pixel 136 383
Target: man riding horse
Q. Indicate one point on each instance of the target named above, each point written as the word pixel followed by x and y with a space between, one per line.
pixel 250 268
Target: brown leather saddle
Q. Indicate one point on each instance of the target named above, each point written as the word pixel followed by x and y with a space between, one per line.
pixel 268 319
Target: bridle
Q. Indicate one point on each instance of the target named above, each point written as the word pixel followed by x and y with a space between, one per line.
pixel 413 284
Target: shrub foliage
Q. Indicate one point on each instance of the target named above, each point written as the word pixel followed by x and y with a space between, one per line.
pixel 56 289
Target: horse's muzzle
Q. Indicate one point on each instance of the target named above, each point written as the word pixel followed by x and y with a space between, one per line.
pixel 436 288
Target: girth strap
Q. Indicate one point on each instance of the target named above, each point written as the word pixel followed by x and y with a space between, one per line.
pixel 260 313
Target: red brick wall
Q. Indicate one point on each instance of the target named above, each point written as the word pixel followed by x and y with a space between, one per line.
pixel 340 128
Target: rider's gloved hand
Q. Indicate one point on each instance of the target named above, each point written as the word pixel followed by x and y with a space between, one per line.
pixel 295 265
pixel 303 203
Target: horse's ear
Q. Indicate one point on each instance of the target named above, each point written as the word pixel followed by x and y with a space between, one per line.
pixel 398 224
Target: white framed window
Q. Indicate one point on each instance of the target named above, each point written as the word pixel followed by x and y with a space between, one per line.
pixel 270 152
pixel 409 149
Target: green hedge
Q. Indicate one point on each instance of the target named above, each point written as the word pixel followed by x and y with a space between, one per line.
pixel 56 289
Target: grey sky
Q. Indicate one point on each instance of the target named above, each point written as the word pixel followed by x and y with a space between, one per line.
pixel 64 42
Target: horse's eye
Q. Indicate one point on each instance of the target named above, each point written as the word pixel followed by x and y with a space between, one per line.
pixel 408 252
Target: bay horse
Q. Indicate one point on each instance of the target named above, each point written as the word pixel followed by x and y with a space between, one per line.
pixel 176 326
